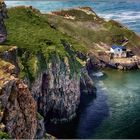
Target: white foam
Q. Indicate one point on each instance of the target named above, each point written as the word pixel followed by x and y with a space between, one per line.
pixel 98 74
pixel 122 16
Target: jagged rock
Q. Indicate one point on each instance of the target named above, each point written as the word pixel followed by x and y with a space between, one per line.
pixel 56 93
pixel 18 117
pixel 20 111
pixel 120 67
pixel 40 127
pixel 93 63
pixel 86 83
pixel 81 55
pixel 3 15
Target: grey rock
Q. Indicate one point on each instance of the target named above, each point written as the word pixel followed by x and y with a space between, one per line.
pixel 86 83
pixel 3 15
pixel 56 93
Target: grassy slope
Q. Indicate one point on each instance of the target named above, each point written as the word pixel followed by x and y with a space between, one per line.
pixel 38 43
pixel 91 29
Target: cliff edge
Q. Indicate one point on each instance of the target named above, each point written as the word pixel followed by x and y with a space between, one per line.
pixel 44 81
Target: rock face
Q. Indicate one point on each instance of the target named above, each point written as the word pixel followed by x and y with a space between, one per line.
pixel 19 115
pixel 40 132
pixel 96 63
pixel 86 83
pixel 54 89
pixel 3 15
pixel 57 94
pixel 11 56
pixel 18 108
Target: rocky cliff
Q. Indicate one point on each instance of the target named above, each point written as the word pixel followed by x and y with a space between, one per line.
pixel 86 83
pixel 41 76
pixel 56 93
pixel 18 108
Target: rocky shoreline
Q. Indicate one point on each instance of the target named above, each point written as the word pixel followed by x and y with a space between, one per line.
pixel 96 62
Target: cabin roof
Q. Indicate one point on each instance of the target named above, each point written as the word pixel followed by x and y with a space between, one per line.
pixel 119 47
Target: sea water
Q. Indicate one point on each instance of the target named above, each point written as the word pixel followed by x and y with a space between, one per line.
pixel 114 113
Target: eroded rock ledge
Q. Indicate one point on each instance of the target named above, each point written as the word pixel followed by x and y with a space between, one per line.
pixel 55 94
pixel 18 108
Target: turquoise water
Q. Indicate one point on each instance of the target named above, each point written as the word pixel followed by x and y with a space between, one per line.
pixel 114 113
pixel 116 110
pixel 124 11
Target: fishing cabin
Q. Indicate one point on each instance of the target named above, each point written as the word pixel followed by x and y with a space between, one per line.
pixel 118 51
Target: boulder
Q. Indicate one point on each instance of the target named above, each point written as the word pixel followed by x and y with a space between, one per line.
pixel 120 67
pixel 86 83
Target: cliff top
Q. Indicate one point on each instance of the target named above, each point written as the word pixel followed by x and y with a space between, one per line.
pixel 39 42
pixel 42 38
pixel 96 33
pixel 79 13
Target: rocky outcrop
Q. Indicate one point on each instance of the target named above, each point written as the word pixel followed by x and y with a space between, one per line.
pixel 3 15
pixel 19 115
pixel 86 83
pixel 126 66
pixel 18 108
pixel 11 56
pixel 98 62
pixel 55 86
pixel 57 93
pixel 40 132
pixel 94 63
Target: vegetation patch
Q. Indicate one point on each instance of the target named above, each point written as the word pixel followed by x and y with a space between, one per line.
pixel 89 29
pixel 38 43
pixel 4 135
pixel 39 116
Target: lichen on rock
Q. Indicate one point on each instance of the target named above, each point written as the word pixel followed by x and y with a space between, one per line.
pixel 56 93
pixel 18 108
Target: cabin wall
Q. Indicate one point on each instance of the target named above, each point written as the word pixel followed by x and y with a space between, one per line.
pixel 118 53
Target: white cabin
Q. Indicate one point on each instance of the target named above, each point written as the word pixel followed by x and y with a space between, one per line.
pixel 118 51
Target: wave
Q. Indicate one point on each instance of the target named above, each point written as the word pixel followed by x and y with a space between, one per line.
pixel 122 16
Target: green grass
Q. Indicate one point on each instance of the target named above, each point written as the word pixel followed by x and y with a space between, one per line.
pixel 37 42
pixel 39 116
pixel 4 135
pixel 79 15
pixel 88 31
